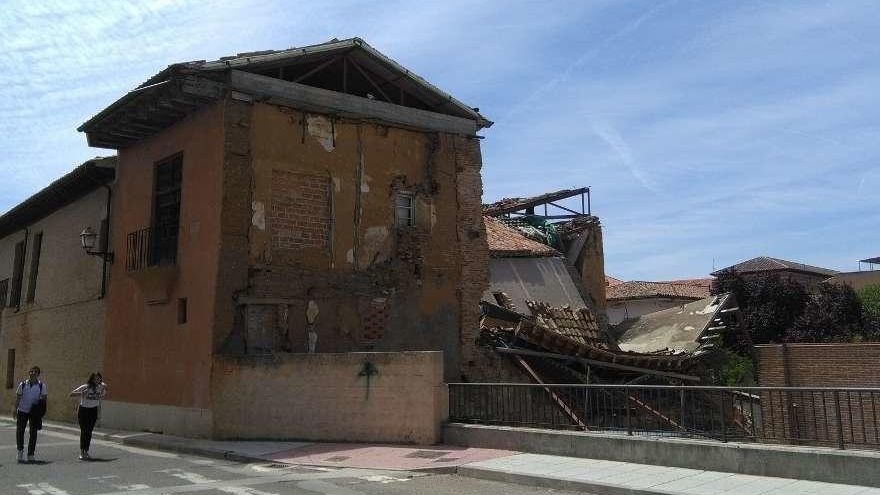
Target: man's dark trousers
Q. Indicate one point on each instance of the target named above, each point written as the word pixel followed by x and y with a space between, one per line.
pixel 22 420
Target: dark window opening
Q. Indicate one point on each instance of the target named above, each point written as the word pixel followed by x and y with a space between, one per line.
pixel 17 274
pixel 181 311
pixel 35 267
pixel 10 368
pixel 4 291
pixel 166 211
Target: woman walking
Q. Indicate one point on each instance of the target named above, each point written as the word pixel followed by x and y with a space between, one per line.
pixel 90 395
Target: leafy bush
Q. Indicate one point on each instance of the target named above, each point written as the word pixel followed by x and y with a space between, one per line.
pixel 729 369
pixel 870 299
pixel 776 309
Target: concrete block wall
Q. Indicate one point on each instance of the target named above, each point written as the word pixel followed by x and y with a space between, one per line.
pixel 399 397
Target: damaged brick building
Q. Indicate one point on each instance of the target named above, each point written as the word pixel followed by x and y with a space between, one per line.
pixel 313 199
pixel 544 314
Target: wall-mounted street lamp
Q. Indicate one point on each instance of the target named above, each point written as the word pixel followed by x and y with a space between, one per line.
pixel 88 238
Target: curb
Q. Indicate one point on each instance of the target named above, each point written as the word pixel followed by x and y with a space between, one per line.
pixel 592 487
pixel 156 441
pixel 131 439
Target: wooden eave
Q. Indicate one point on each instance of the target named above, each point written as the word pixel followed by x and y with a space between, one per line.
pixel 397 96
pixel 148 110
pixel 63 191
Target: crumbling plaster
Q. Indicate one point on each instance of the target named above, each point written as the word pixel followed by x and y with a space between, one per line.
pixel 416 272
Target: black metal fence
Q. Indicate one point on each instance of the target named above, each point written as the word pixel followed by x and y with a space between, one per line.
pixel 150 247
pixel 834 417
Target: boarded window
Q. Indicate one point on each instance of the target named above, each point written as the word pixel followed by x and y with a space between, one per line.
pixel 166 210
pixel 262 328
pixel 300 213
pixel 405 210
pixel 17 274
pixel 35 267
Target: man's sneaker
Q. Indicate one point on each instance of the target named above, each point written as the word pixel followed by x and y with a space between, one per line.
pixel 31 458
pixel 82 455
pixel 20 456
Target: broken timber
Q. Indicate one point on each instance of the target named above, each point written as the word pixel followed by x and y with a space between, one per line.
pixel 601 364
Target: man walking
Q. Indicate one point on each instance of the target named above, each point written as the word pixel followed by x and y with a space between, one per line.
pixel 30 405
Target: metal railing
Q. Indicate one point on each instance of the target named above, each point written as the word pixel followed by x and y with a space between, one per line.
pixel 150 247
pixel 833 417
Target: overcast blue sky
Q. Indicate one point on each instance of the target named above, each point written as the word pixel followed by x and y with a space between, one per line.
pixel 710 132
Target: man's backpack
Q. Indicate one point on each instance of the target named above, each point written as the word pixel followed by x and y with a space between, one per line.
pixel 39 409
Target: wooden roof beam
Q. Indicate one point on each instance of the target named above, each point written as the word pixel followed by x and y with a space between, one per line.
pixel 319 100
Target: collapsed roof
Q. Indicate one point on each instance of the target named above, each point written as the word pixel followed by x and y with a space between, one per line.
pixel 506 242
pixel 574 334
pixel 690 328
pixel 348 78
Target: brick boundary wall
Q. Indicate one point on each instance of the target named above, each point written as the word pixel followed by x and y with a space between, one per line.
pixel 821 418
pixel 819 365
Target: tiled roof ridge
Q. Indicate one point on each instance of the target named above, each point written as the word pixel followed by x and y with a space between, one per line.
pixel 637 289
pixel 769 263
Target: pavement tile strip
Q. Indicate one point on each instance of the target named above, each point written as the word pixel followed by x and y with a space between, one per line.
pixel 599 477
pixel 611 477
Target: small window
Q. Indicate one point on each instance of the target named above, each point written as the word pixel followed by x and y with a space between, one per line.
pixel 181 311
pixel 17 275
pixel 10 368
pixel 35 267
pixel 4 290
pixel 405 211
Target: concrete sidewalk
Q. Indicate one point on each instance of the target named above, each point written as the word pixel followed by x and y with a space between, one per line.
pixel 623 478
pixel 597 477
pixel 433 458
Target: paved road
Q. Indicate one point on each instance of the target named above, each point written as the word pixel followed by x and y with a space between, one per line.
pixel 123 470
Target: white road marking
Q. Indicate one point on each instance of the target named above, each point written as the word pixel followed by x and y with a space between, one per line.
pixel 42 489
pixel 326 488
pixel 194 478
pixel 243 490
pixel 379 478
pixel 104 480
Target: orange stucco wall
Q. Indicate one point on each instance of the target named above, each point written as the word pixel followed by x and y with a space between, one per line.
pixel 149 356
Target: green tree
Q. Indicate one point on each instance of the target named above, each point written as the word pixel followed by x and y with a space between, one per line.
pixel 832 314
pixel 870 299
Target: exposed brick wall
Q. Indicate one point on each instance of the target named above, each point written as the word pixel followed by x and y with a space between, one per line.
pixel 820 417
pixel 473 258
pixel 235 219
pixel 300 213
pixel 819 365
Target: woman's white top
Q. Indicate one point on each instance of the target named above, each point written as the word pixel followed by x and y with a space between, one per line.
pixel 90 397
